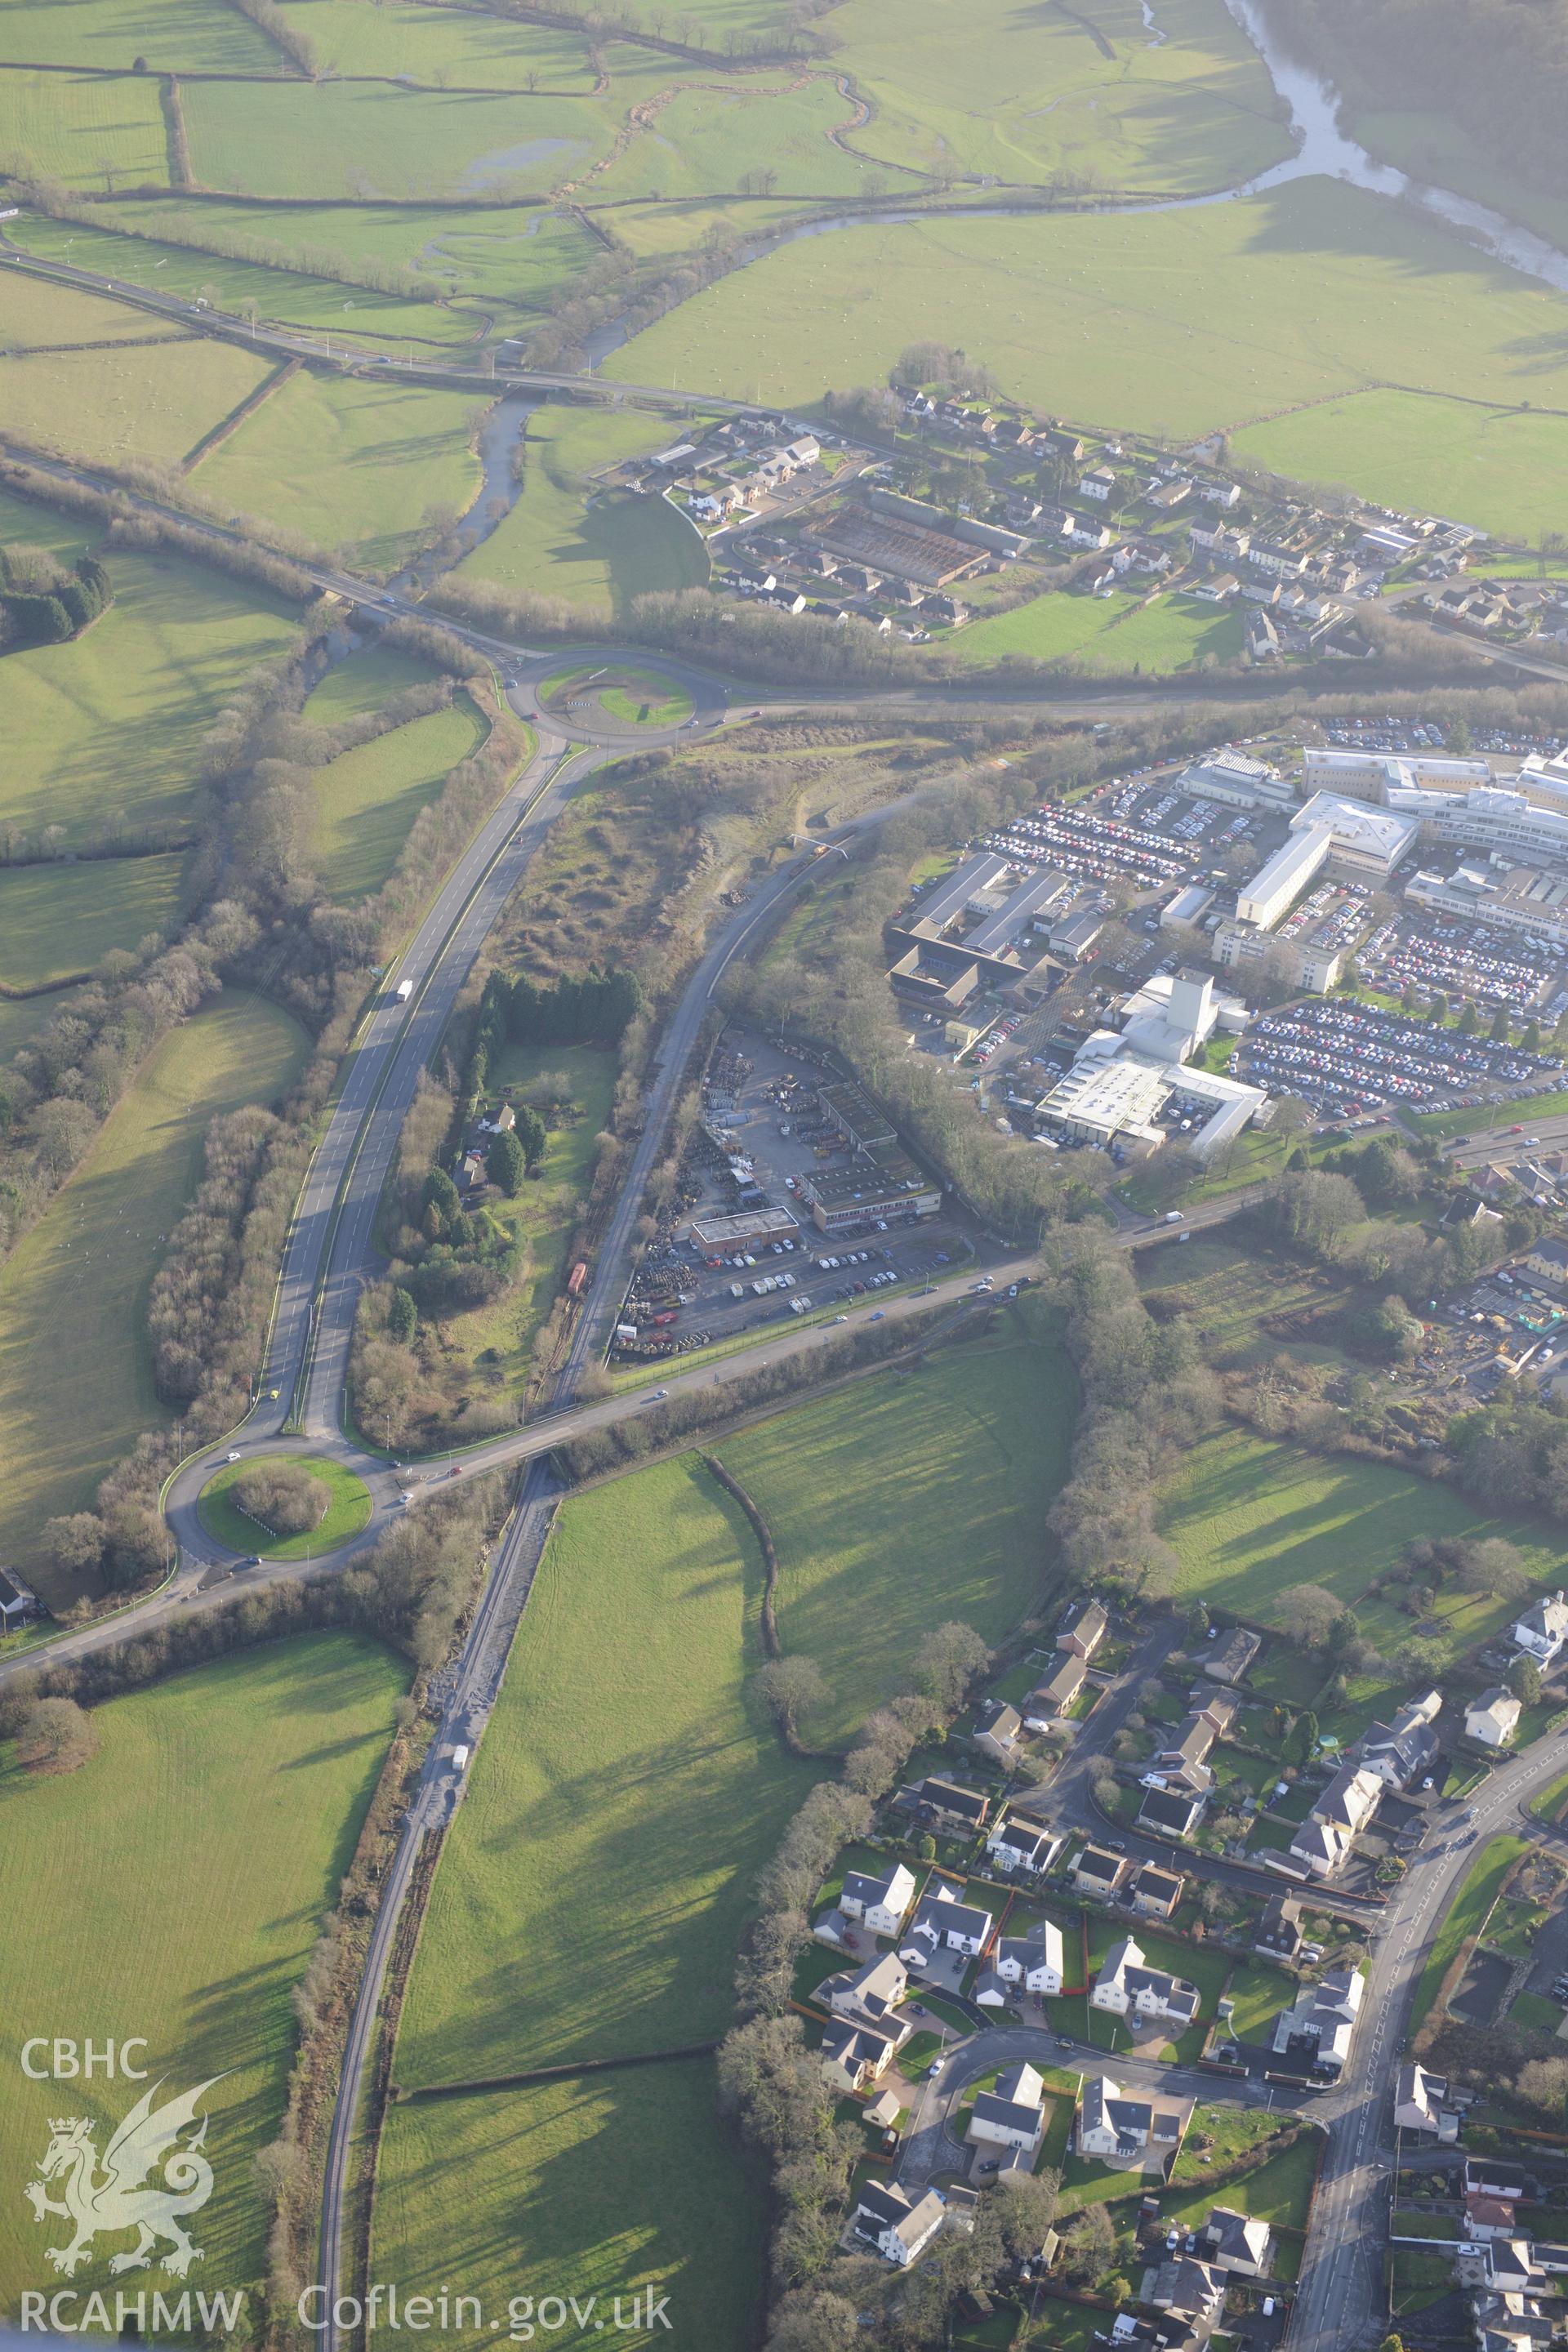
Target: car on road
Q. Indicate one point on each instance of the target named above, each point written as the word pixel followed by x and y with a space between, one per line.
pixel 233 1455
pixel 880 1316
pixel 936 2067
pixel 657 1396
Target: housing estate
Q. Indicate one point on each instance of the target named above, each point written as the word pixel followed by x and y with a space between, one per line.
pixel 1127 1986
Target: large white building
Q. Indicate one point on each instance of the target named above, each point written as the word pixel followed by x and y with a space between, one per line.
pixel 1111 1095
pixel 1237 781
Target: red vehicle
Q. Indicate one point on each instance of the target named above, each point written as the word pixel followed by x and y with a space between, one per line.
pixel 661 1320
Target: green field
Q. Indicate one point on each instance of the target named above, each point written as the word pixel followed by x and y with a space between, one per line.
pixel 109 34
pixel 707 139
pixel 367 799
pixel 76 1386
pixel 901 1503
pixel 440 45
pixel 57 920
pixel 1117 632
pixel 1251 1519
pixel 341 140
pixel 1497 468
pixel 356 464
pixel 1465 1916
pixel 84 132
pixel 346 1514
pixel 364 682
pixel 1233 311
pixel 593 1886
pixel 138 403
pixel 564 538
pixel 111 725
pixel 39 315
pixel 599 2185
pixel 175 1886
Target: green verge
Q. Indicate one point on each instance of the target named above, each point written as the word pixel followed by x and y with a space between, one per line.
pixel 346 1514
pixel 1465 1916
pixel 175 1886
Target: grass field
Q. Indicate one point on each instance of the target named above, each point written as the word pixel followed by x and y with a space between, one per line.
pixel 341 140
pixel 1234 312
pixel 212 1828
pixel 111 725
pixel 1251 1519
pixel 593 1886
pixel 149 403
pixel 359 464
pixel 554 542
pixel 192 34
pixel 364 683
pixel 599 2185
pixel 86 133
pixel 60 920
pixel 1496 467
pixel 707 139
pixel 437 45
pixel 75 1382
pixel 1465 1916
pixel 367 799
pixel 41 315
pixel 1118 632
pixel 345 1515
pixel 901 1503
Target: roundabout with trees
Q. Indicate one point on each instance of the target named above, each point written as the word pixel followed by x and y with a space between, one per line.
pixel 284 1506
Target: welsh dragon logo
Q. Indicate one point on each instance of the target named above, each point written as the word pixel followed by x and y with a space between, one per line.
pixel 119 2196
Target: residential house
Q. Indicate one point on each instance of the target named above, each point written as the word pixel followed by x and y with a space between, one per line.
pixel 1155 1892
pixel 1511 2323
pixel 1492 1719
pixel 1127 1986
pixel 899 2226
pixel 1169 1812
pixel 1114 2122
pixel 1419 2106
pixel 1183 1763
pixel 1337 1820
pixel 1013 2115
pixel 946 608
pixel 18 1602
pixel 1087 531
pixel 967 1807
pixel 1168 496
pixel 1017 1844
pixel 1036 1961
pixel 1280 1929
pixel 501 1122
pixel 1547 1262
pixel 873 1993
pixel 1315 2036
pixel 879 1902
pixel 1235 2243
pixel 1217 588
pixel 1001 1733
pixel 1542 1630
pixel 1098 1872
pixel 1098 484
pixel 1055 1693
pixel 853 2053
pixel 1495 2176
pixel 1215 539
pixel 1488 2217
pixel 1511 2265
pixel 1229 1659
pixel 1083 1629
pixel 1219 493
pixel 1400 1752
pixel 1191 2290
pixel 884 2110
pixel 942 1922
pixel 804 452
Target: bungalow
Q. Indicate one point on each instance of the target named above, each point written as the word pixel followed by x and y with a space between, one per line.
pixel 1401 1751
pixel 18 1602
pixel 873 1993
pixel 1495 2176
pixel 501 1122
pixel 1023 1845
pixel 1112 2122
pixel 880 1903
pixel 1316 2034
pixel 1229 1659
pixel 1542 1630
pixel 1488 2217
pixel 1036 1961
pixel 966 1807
pixel 1169 1812
pixel 1126 1984
pixel 1056 1694
pixel 1183 1764
pixel 948 609
pixel 1235 2243
pixel 942 1920
pixel 1194 2290
pixel 1083 1629
pixel 853 2055
pixel 1155 1892
pixel 1001 1734
pixel 1169 496
pixel 1280 1929
pixel 899 2227
pixel 1098 1872
pixel 1219 588
pixel 1492 1719
pixel 1014 2113
pixel 1418 2103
